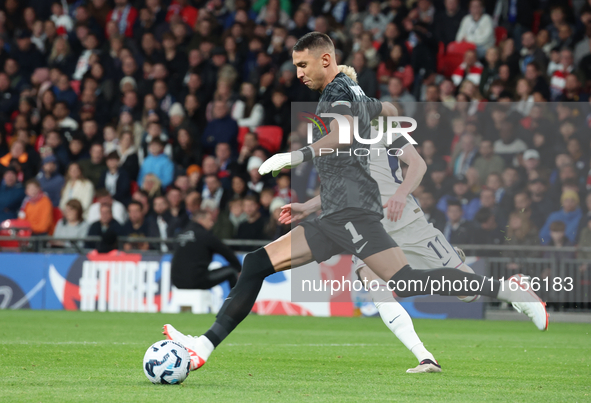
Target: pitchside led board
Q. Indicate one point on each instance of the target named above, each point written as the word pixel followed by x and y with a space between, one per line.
pixel 120 282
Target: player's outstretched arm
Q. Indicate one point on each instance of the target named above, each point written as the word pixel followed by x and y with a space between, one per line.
pixel 298 211
pixel 414 175
pixel 289 160
pixel 388 109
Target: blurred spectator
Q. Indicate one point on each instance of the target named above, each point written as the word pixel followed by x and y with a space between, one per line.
pixel 71 226
pixel 50 180
pixel 397 93
pixel 274 230
pixel 520 232
pixel 186 152
pixel 107 228
pixel 470 69
pixel 222 129
pixel 477 27
pixel 136 227
pixel 558 77
pixel 375 22
pixel 487 162
pixel 559 239
pixel 213 190
pixel 178 213
pixel 585 241
pixel 36 208
pixel 366 77
pixel 157 163
pixel 94 168
pixel 12 194
pixel 460 193
pixel 123 17
pixel 115 179
pixel 396 65
pixel 456 230
pixel 541 204
pixel 192 203
pixel 570 215
pixel 486 199
pixel 26 54
pixel 128 161
pixel 60 150
pixel 467 154
pixel 254 226
pixel 247 112
pixel 432 215
pixel 103 197
pixel 77 187
pixel 486 231
pixel 447 21
pixel 509 145
pixel 159 223
pixel 20 160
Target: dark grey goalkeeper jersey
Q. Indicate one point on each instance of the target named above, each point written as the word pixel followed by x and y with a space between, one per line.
pixel 345 180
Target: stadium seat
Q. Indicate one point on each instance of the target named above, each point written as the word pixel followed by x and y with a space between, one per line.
pixel 460 47
pixel 57 215
pixel 242 130
pixel 270 137
pixel 449 62
pixel 500 34
pixel 536 23
pixel 15 227
pixel 133 187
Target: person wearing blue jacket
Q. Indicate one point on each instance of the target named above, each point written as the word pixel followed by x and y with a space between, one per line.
pixel 570 215
pixel 158 164
pixel 222 129
pixel 12 194
pixel 50 180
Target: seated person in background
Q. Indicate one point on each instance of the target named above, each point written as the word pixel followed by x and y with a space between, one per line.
pixel 51 180
pixel 107 228
pixel 136 226
pixel 115 179
pixel 94 167
pixel 254 226
pixel 157 163
pixel 12 194
pixel 37 209
pixel 104 197
pixel 456 230
pixel 559 239
pixel 570 215
pixel 71 226
pixel 189 267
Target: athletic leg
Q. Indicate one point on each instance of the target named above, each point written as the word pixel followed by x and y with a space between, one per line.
pixel 291 249
pixel 395 317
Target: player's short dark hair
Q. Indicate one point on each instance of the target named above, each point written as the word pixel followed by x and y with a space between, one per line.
pixel 313 41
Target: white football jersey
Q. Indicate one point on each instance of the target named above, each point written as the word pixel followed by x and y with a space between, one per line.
pixel 385 170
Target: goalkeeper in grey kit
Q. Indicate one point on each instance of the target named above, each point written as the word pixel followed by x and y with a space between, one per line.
pixel 351 210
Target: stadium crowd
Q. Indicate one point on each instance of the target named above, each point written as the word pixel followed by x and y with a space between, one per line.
pixel 125 117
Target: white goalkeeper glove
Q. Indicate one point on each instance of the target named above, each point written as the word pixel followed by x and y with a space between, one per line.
pixel 286 160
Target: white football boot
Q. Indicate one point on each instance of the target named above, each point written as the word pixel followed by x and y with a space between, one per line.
pixel 424 367
pixel 197 350
pixel 527 302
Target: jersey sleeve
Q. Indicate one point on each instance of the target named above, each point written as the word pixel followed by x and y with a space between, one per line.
pixel 399 142
pixel 341 107
pixel 374 107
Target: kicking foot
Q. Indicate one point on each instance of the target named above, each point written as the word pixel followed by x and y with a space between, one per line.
pixel 527 302
pixel 194 346
pixel 424 367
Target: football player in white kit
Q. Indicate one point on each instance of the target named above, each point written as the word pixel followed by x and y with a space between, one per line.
pixel 423 245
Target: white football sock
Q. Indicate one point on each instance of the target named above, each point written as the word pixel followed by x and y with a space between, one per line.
pixel 399 322
pixel 207 345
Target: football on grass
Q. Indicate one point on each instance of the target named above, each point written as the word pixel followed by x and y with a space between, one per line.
pixel 167 362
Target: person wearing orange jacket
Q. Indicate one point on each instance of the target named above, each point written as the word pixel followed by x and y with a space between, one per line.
pixel 37 209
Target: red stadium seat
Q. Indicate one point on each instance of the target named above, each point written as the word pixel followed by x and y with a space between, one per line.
pixel 15 227
pixel 460 47
pixel 134 187
pixel 57 215
pixel 270 137
pixel 242 130
pixel 536 23
pixel 500 34
pixel 449 63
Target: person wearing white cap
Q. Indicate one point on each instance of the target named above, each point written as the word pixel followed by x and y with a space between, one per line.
pixel 531 160
pixel 255 183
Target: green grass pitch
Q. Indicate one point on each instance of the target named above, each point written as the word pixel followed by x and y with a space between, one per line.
pixel 96 357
